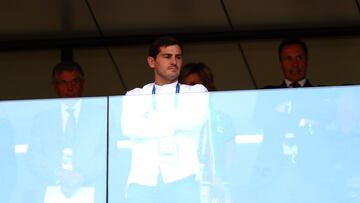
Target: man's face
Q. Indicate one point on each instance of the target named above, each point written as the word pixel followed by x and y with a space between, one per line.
pixel 293 62
pixel 167 64
pixel 68 84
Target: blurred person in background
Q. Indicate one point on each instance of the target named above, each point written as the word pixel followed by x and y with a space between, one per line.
pixel 217 153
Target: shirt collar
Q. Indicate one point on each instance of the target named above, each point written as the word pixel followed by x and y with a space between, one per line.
pixel 301 82
pixel 167 85
pixel 76 106
pixel 167 88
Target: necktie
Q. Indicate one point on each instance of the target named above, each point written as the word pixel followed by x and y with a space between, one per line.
pixel 295 85
pixel 70 124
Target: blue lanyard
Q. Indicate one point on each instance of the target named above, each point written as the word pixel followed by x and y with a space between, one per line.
pixel 177 90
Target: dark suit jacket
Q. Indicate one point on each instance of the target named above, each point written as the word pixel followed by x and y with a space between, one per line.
pixel 88 145
pixel 278 111
pixel 283 85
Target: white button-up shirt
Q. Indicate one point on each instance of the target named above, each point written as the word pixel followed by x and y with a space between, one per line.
pixel 164 129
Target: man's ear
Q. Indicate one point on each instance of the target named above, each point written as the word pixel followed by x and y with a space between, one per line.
pixel 151 62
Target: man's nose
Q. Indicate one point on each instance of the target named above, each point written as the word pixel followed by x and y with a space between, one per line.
pixel 295 62
pixel 173 61
pixel 69 85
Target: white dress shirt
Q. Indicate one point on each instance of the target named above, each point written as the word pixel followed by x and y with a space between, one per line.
pixel 301 82
pixel 164 129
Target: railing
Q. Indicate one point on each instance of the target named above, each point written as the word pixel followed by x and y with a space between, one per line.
pixel 284 145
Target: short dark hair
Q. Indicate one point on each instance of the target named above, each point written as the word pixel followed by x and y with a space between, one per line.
pixel 292 41
pixel 67 66
pixel 202 70
pixel 163 41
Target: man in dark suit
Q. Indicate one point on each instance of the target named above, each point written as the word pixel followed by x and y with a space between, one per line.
pixel 287 119
pixel 69 140
pixel 293 56
pixel 280 113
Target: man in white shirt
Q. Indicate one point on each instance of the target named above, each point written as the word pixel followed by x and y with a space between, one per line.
pixel 164 127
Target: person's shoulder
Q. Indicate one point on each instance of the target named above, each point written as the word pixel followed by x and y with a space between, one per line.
pixel 198 88
pixel 282 85
pixel 271 87
pixel 146 89
pixel 135 91
pixel 308 84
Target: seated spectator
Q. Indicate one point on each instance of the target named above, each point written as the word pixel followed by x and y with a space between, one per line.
pixel 222 134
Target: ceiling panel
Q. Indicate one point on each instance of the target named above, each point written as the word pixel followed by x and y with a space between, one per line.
pixel 161 16
pixel 19 17
pixel 291 13
pixel 45 19
pixel 64 18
